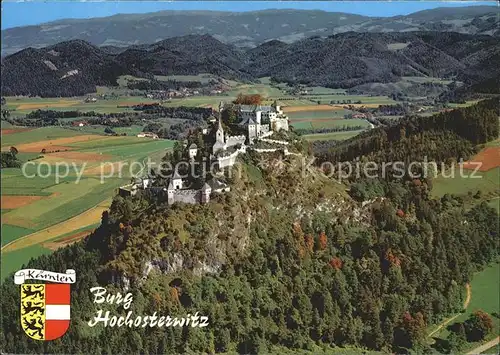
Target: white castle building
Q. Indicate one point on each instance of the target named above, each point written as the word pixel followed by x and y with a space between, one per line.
pixel 260 120
pixel 177 191
pixel 224 141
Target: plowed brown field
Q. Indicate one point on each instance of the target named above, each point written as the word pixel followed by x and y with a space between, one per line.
pixel 310 108
pixel 55 144
pixel 488 157
pixel 11 202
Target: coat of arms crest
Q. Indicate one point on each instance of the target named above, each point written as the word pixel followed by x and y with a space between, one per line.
pixel 45 307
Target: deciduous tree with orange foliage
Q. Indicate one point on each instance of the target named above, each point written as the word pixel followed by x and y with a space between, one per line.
pixel 174 295
pixel 336 263
pixel 478 325
pixel 309 243
pixel 415 327
pixel 392 259
pixel 322 241
pixel 299 239
pixel 255 99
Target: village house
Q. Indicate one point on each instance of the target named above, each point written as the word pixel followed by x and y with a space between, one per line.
pixel 147 135
pixel 79 123
pixel 359 115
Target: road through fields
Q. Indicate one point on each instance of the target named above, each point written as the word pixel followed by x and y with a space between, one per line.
pixel 481 349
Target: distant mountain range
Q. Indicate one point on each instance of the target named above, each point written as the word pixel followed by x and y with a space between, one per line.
pixel 343 60
pixel 244 29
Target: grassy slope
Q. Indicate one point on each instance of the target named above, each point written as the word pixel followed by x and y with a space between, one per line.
pixel 15 260
pixel 338 136
pixel 485 296
pixel 10 233
pixel 38 134
pixel 488 183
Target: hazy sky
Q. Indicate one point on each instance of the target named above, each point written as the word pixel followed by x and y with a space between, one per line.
pixel 35 12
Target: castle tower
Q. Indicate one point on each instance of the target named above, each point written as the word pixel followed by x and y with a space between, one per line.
pixel 170 193
pixel 219 134
pixel 205 193
pixel 176 180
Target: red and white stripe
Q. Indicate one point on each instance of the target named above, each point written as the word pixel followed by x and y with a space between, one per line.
pixel 57 310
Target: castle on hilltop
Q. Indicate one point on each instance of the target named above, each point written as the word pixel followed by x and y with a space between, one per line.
pixel 258 122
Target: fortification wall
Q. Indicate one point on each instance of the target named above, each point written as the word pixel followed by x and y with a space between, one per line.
pixel 280 123
pixel 235 140
pixel 274 141
pixel 187 196
pixel 264 129
pixel 228 160
pixel 291 153
pixel 269 150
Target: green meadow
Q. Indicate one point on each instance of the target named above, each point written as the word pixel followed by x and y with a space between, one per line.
pixel 14 260
pixel 313 115
pixel 17 259
pixel 485 296
pixel 365 99
pixel 340 123
pixel 264 90
pixel 66 200
pixel 10 233
pixel 38 134
pixel 487 182
pixel 130 149
pixel 334 136
pixel 334 123
pixel 320 90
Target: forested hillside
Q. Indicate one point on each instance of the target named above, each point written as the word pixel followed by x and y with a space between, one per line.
pixel 283 260
pixel 344 60
pixel 443 137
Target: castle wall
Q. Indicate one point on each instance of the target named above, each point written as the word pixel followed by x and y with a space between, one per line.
pixel 228 160
pixel 280 123
pixel 269 150
pixel 235 140
pixel 266 132
pixel 264 129
pixel 274 141
pixel 186 196
pixel 217 146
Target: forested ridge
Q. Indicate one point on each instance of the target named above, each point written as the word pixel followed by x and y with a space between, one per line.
pixel 345 60
pixel 443 138
pixel 281 261
pixel 126 29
